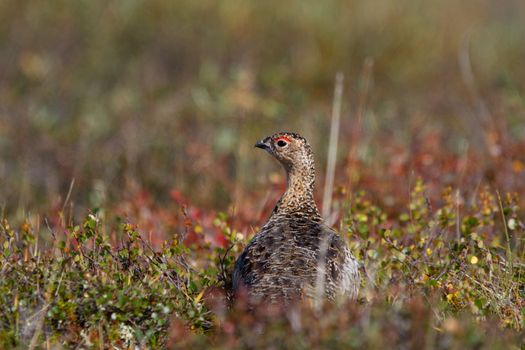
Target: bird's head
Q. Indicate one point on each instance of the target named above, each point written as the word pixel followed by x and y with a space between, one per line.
pixel 290 149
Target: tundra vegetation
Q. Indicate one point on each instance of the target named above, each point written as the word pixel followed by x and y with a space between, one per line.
pixel 129 183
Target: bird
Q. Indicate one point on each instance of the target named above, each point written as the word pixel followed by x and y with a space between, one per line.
pixel 295 255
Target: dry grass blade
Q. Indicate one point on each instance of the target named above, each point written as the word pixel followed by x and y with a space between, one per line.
pixel 332 149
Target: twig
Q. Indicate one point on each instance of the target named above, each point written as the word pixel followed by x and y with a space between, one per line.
pixel 332 149
pixel 100 336
pixel 68 196
pixel 39 326
pixel 481 111
pixel 507 237
pixel 321 274
pixel 458 230
pixel 366 79
pixel 44 308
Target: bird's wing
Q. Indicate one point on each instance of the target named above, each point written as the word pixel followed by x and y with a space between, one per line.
pixel 250 262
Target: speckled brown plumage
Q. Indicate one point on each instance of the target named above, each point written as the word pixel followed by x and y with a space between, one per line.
pixel 284 261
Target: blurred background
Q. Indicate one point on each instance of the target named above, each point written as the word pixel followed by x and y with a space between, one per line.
pixel 168 97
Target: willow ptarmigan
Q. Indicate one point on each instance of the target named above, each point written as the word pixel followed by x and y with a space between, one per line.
pixel 295 255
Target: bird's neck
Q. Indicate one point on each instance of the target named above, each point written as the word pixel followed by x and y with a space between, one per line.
pixel 299 195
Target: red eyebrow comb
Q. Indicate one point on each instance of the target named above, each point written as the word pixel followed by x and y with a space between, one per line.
pixel 282 138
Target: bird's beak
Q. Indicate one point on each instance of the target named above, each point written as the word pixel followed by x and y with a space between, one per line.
pixel 264 144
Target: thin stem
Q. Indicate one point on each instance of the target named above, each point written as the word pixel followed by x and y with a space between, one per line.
pixel 332 149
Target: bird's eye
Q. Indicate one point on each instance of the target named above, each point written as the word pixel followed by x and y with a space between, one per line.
pixel 281 143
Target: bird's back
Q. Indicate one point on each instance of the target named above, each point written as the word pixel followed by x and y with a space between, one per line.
pixel 284 259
